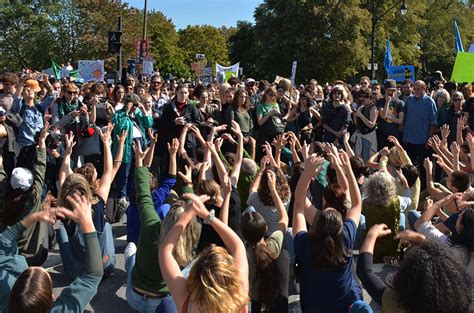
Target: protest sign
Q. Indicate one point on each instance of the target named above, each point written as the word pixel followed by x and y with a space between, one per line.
pixel 91 70
pixel 399 73
pixel 463 70
pixel 225 72
pixel 147 68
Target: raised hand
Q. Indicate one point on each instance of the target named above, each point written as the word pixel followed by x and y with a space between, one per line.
pixel 445 132
pixel 82 209
pixel 455 148
pixel 428 165
pixel 196 203
pixel 187 176
pixel 271 180
pixel 69 142
pixel 139 154
pixel 395 141
pixel 173 147
pixel 105 137
pixel 312 164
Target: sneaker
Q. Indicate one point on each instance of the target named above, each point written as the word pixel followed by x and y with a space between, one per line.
pixel 123 204
pixel 129 251
pixel 389 279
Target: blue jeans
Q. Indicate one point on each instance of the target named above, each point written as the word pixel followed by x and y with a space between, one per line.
pixel 413 216
pixel 72 251
pixel 142 303
pixel 365 149
pixel 360 307
pixel 122 179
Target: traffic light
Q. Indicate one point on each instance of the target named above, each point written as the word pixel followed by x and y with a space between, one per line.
pixel 114 42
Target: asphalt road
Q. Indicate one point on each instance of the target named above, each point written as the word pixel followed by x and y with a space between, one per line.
pixel 111 292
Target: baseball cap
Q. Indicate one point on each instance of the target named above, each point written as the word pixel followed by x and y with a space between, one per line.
pixel 33 84
pixel 249 81
pixel 22 178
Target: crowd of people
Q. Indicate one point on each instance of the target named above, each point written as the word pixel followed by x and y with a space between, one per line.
pixel 236 193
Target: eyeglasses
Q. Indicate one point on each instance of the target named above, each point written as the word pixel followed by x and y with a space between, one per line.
pixel 158 83
pixel 457 99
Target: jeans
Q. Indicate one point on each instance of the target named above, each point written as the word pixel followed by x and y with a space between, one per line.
pixel 365 149
pixel 72 251
pixel 360 307
pixel 413 216
pixel 122 179
pixel 142 303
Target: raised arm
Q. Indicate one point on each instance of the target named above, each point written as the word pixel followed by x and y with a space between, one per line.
pixel 118 158
pixel 354 212
pixel 371 282
pixel 282 214
pixel 169 266
pixel 432 209
pixel 235 173
pixel 66 170
pixel 151 151
pixel 312 165
pixel 228 236
pixel 107 176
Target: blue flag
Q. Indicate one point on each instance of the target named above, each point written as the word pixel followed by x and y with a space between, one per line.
pixel 387 60
pixel 457 38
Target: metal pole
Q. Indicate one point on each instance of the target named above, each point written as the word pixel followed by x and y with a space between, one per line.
pixel 119 56
pixel 372 58
pixel 145 13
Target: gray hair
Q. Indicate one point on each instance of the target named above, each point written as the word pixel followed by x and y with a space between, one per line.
pixel 442 92
pixel 380 189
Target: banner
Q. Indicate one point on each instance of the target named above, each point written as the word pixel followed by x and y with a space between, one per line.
pixel 293 73
pixel 91 70
pixel 147 68
pixel 223 73
pixel 387 60
pixel 463 70
pixel 457 39
pixel 399 73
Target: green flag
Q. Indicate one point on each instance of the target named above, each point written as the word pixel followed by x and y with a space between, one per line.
pixel 56 70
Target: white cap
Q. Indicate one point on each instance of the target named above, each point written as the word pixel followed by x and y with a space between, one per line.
pixel 22 178
pixel 249 80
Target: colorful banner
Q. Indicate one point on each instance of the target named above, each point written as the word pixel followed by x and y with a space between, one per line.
pixel 399 73
pixel 463 70
pixel 225 72
pixel 91 70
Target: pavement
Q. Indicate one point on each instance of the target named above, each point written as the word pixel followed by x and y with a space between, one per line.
pixel 111 292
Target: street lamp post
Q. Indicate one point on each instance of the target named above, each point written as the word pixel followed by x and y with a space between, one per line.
pixel 375 20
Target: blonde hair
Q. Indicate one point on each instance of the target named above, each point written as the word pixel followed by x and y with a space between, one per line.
pixel 183 251
pixel 214 282
pixel 75 183
pixel 394 157
pixel 223 90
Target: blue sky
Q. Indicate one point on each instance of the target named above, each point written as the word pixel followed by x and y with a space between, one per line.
pixel 198 12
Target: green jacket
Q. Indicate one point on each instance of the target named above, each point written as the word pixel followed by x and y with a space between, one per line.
pixel 73 298
pixel 123 122
pixel 146 274
pixel 31 242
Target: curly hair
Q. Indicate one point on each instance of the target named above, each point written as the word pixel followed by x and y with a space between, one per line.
pixel 183 251
pixel 88 171
pixel 380 189
pixel 214 282
pixel 431 280
pixel 282 187
pixel 465 237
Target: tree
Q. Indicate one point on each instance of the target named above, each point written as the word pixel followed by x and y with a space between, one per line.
pixel 163 38
pixel 327 38
pixel 26 36
pixel 242 47
pixel 203 39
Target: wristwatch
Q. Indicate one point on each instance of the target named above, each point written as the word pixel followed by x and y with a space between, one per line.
pixel 211 217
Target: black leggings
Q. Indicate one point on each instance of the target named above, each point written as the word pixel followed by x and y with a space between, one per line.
pixel 280 305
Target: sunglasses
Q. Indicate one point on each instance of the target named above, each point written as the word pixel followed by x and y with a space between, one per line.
pixel 457 99
pixel 158 83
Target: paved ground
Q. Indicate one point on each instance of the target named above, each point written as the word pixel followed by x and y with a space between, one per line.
pixel 111 294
